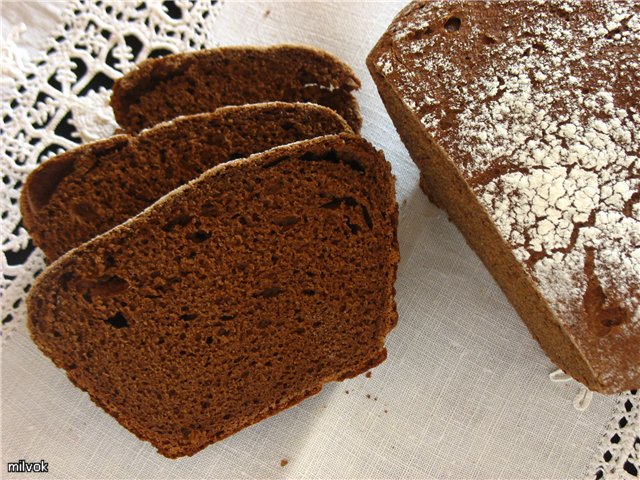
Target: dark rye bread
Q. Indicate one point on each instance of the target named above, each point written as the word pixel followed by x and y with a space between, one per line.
pixel 231 298
pixel 79 194
pixel 524 118
pixel 186 83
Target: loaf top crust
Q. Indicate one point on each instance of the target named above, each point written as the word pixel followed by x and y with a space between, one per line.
pixel 538 106
pixel 160 89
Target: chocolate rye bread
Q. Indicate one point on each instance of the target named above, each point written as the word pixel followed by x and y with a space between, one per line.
pixel 231 298
pixel 524 119
pixel 186 83
pixel 77 195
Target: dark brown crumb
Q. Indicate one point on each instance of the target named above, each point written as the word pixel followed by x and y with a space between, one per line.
pixel 267 12
pixel 284 462
pixel 368 396
pixel 160 89
pixel 80 208
pixel 162 317
pixel 347 392
pixel 368 374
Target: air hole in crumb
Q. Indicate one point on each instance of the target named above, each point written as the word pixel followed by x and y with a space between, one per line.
pixel 421 33
pixel 109 261
pixel 275 162
pixel 353 227
pixel 287 221
pixel 199 236
pixel 367 217
pixel 65 278
pixel 611 322
pixel 118 321
pixel 337 201
pixel 540 47
pixel 209 340
pixel 332 157
pixel 271 292
pixel 188 316
pixel 354 165
pixel 264 323
pixel 181 221
pixel 209 210
pixel 488 39
pixel 226 318
pixel 309 292
pixel 453 24
pixel 107 286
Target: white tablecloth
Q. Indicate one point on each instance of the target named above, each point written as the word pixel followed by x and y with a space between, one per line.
pixel 464 393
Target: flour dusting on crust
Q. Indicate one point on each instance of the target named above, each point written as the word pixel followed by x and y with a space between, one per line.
pixel 541 113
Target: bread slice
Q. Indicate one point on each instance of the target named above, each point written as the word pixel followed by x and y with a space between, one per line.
pixel 231 298
pixel 187 83
pixel 524 118
pixel 75 196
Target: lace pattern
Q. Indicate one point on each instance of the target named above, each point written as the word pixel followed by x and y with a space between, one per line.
pixel 61 98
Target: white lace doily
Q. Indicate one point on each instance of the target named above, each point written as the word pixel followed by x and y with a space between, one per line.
pixel 60 98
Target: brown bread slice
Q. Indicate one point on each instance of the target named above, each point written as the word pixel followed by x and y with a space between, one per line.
pixel 524 118
pixel 187 83
pixel 79 194
pixel 231 298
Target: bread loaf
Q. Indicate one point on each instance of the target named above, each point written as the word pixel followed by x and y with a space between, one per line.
pixel 524 118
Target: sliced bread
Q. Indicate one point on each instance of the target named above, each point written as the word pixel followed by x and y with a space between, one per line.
pixel 231 298
pixel 186 83
pixel 79 194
